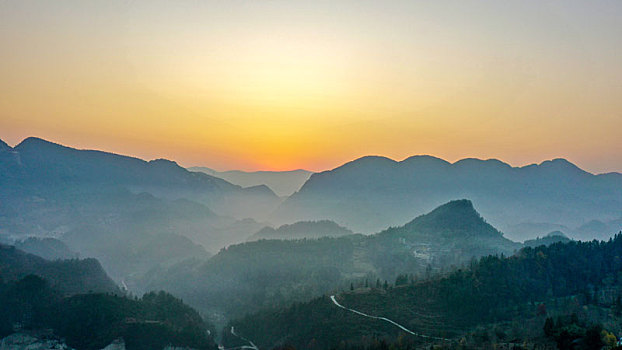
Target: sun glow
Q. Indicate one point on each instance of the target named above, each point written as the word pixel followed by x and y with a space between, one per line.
pixel 281 85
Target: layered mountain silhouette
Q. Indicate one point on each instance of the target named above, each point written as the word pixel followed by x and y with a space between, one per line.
pixel 43 165
pixel 155 225
pixel 129 213
pixel 283 183
pixel 375 192
pixel 278 272
pixel 47 248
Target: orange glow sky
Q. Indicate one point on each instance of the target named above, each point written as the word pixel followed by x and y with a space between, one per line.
pixel 280 85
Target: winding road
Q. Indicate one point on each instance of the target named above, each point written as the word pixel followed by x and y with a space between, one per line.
pixel 252 345
pixel 332 297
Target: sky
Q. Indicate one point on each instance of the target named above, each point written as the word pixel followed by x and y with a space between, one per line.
pixel 277 85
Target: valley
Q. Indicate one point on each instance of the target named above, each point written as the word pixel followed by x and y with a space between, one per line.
pixel 156 226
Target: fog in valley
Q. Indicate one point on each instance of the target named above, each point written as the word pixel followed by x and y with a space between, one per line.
pixel 310 175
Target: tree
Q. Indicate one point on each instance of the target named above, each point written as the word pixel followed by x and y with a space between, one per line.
pixel 593 338
pixel 549 327
pixel 401 280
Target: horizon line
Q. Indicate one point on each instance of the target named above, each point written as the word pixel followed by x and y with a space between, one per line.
pixel 320 171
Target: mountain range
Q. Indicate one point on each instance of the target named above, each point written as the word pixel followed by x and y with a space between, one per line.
pixel 156 225
pixel 373 192
pixel 128 213
pixel 42 165
pixel 283 183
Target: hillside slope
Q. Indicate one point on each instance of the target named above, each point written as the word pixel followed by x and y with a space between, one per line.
pixel 70 276
pixel 130 214
pixel 253 275
pixel 491 291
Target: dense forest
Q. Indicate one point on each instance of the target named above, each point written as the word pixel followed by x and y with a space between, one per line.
pixel 94 320
pixel 69 276
pixel 583 277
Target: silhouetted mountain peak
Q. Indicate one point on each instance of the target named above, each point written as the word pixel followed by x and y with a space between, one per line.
pixel 556 233
pixel 35 142
pixel 368 161
pixel 462 208
pixel 450 218
pixel 561 165
pixel 424 159
pixel 481 163
pixel 42 148
pixel 4 146
pixel 164 162
pixel 259 189
pixel 423 164
pixel 166 165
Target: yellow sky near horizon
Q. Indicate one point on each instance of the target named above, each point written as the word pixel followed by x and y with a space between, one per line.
pixel 275 85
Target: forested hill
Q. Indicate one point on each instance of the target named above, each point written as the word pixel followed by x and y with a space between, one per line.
pixel 94 320
pixel 302 229
pixel 449 235
pixel 130 214
pixel 493 289
pixel 69 276
pixel 246 277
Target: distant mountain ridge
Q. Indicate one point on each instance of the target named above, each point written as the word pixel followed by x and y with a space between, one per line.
pixel 302 229
pixel 283 183
pixel 47 248
pixel 128 213
pixel 373 192
pixel 45 162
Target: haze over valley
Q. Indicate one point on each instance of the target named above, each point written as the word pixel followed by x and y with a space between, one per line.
pixel 310 175
pixel 226 251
